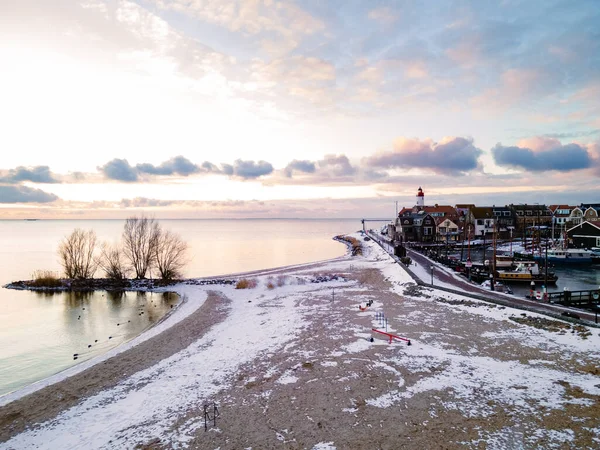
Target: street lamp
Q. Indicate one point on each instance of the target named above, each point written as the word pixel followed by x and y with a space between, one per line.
pixel 492 281
pixel 532 289
pixel 432 275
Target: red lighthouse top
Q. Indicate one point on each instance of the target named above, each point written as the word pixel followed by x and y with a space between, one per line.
pixel 420 192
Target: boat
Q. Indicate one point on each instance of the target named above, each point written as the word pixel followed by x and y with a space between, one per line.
pixel 569 256
pixel 526 272
pixel 502 261
pixel 498 286
pixel 595 255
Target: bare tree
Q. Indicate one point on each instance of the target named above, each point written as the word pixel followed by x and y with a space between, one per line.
pixel 112 261
pixel 171 254
pixel 140 238
pixel 76 254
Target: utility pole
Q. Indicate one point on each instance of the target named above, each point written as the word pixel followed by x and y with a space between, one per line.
pixel 462 244
pixel 546 274
pixel 483 235
pixel 494 260
pixel 553 218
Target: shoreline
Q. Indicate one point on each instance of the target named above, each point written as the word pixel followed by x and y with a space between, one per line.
pixel 294 364
pixel 155 284
pixel 146 285
pixel 63 389
pixel 170 319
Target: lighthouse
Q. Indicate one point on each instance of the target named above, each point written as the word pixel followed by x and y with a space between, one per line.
pixel 420 198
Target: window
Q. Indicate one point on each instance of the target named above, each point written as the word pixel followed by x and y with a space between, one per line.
pixel 427 231
pixel 442 229
pixel 506 213
pixel 519 213
pixel 497 213
pixel 598 242
pixel 479 222
pixel 528 213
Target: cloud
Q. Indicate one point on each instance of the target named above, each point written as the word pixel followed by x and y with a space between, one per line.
pixel 227 169
pixel 174 166
pixel 119 170
pixel 143 202
pixel 383 15
pixel 573 134
pixel 248 169
pixel 300 166
pixel 336 165
pixel 24 194
pixel 453 155
pixel 37 174
pixel 251 17
pixel 546 154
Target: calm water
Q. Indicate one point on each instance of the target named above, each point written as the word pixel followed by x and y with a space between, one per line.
pixel 575 277
pixel 40 333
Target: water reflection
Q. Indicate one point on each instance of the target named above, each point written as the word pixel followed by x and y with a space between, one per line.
pixel 50 328
pixel 115 296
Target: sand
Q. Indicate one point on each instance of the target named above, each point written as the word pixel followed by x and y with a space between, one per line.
pixel 472 378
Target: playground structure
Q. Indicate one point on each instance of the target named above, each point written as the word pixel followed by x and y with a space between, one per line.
pixel 392 336
pixel 380 317
pixel 364 308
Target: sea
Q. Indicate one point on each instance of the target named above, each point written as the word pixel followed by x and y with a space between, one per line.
pixel 41 332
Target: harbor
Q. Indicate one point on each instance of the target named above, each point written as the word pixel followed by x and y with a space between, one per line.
pixel 442 273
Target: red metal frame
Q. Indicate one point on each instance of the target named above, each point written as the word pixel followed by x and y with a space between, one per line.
pixel 391 336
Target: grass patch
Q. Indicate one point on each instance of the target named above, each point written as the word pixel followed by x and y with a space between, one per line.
pixel 45 278
pixel 592 369
pixel 354 244
pixel 245 283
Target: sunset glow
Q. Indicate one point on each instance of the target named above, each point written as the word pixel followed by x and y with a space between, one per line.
pixel 179 108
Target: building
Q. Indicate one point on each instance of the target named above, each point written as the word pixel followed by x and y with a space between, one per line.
pixel 420 198
pixel 590 212
pixel 416 227
pixel 561 214
pixel 531 216
pixel 505 221
pixel 447 230
pixel 440 210
pixel 584 235
pixel 576 217
pixel 481 220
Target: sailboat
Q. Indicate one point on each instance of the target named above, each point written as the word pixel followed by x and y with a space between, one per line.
pixel 563 255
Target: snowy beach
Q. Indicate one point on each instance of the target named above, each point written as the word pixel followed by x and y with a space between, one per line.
pixel 290 364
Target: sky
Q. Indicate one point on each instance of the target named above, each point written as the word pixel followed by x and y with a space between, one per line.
pixel 264 108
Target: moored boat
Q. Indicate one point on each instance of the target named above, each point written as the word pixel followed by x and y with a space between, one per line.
pixel 568 256
pixel 525 272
